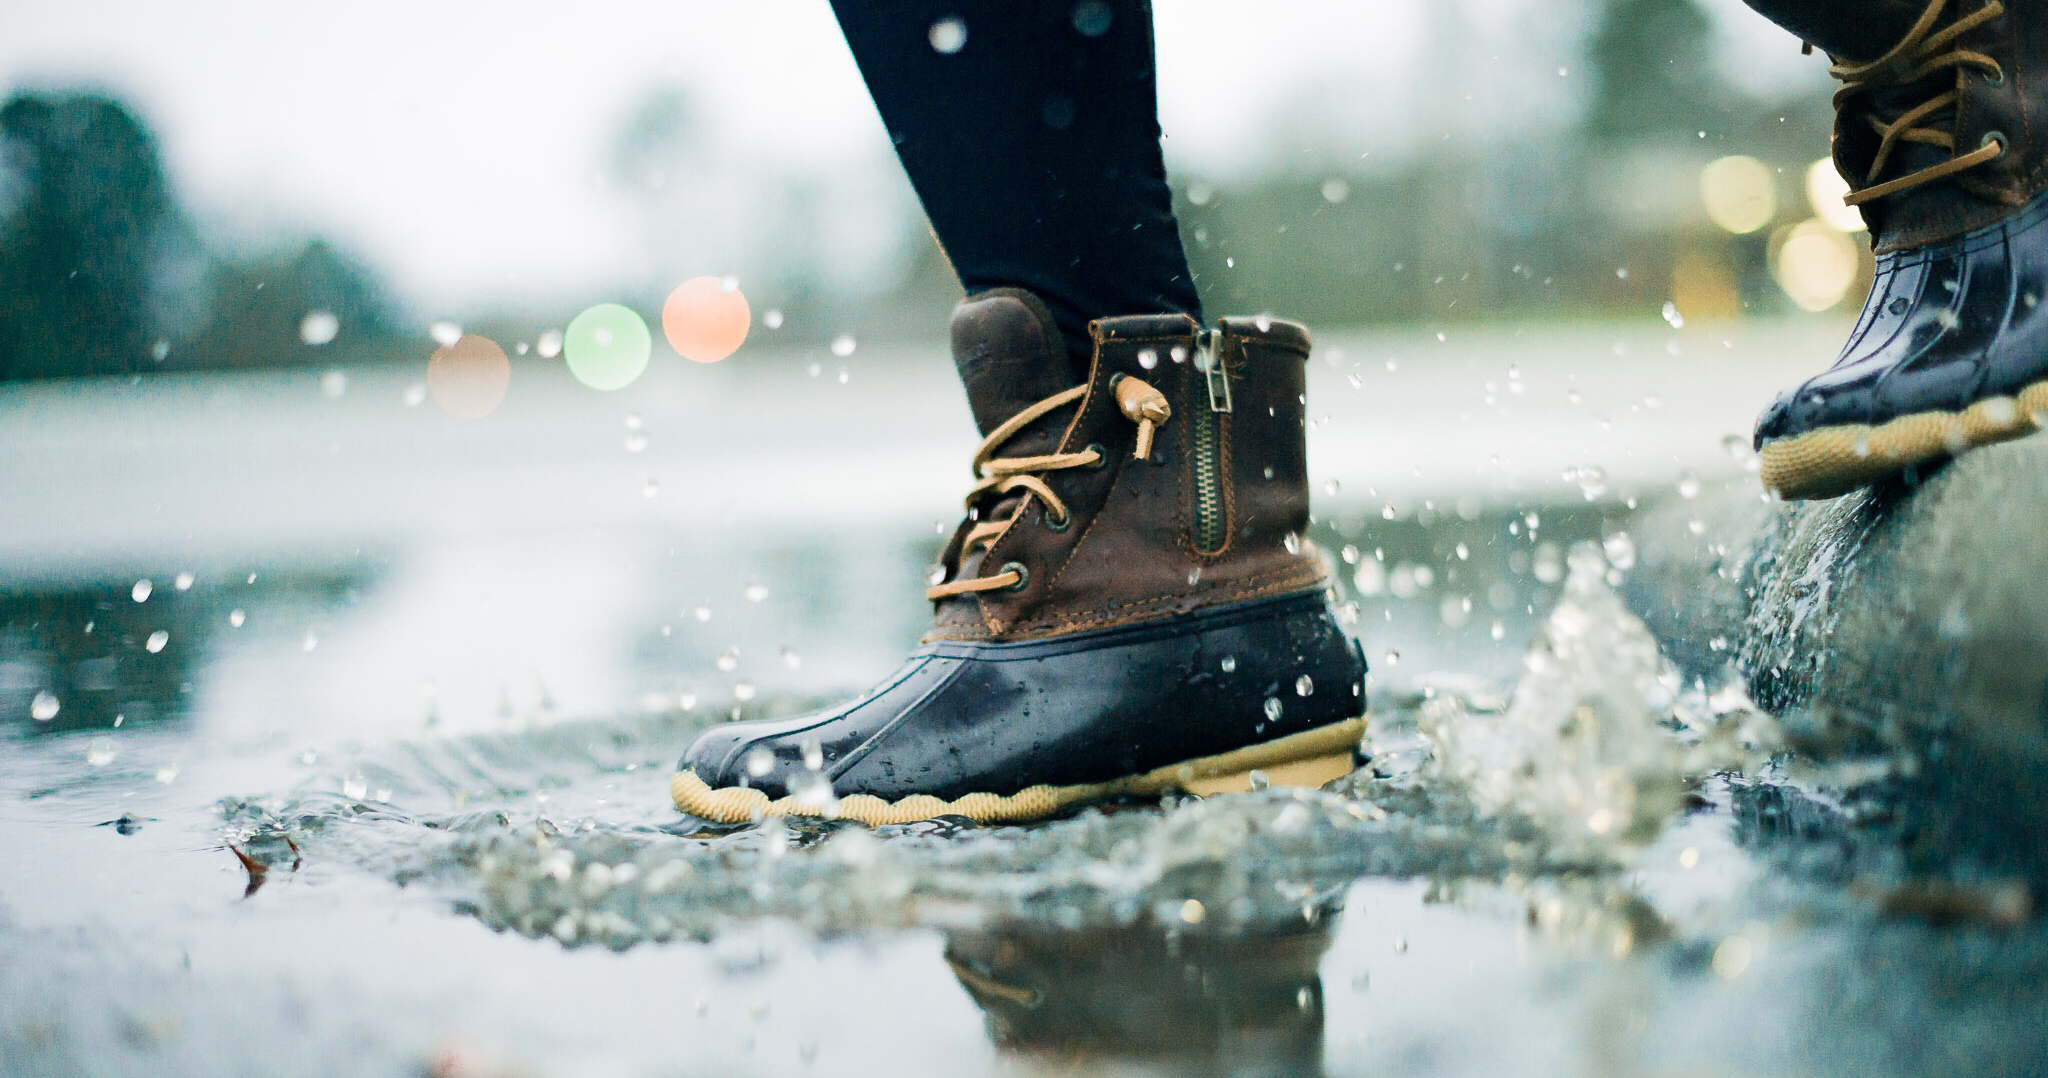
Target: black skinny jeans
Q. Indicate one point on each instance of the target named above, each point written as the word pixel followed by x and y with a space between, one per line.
pixel 1030 131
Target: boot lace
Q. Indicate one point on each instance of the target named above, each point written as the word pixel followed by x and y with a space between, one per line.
pixel 1920 54
pixel 1003 476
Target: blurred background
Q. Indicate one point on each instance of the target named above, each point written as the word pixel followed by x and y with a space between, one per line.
pixel 346 362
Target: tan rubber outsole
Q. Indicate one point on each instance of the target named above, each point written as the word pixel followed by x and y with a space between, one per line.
pixel 1310 758
pixel 1832 461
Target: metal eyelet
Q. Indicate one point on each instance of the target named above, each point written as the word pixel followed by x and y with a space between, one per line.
pixel 1023 574
pixel 1101 454
pixel 1060 525
pixel 1995 136
pixel 1994 77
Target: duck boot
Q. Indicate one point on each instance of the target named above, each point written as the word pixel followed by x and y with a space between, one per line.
pixel 1129 607
pixel 1942 132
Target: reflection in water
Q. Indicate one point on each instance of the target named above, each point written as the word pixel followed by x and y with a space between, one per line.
pixel 1151 1000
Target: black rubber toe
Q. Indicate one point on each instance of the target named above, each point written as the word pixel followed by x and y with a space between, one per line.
pixel 1945 326
pixel 963 717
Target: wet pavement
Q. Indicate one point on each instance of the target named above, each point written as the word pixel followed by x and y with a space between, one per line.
pixel 380 788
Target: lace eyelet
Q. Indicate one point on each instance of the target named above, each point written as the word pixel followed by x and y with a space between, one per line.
pixel 1101 455
pixel 1994 77
pixel 1995 136
pixel 1059 525
pixel 1023 574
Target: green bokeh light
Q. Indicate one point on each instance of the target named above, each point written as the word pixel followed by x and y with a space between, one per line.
pixel 607 346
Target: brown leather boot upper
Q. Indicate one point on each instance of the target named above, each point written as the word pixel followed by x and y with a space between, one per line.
pixel 1214 514
pixel 1942 119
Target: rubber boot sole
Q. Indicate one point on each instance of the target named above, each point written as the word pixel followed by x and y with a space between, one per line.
pixel 1309 758
pixel 1831 461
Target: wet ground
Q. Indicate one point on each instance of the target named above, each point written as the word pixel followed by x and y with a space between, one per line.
pixel 369 777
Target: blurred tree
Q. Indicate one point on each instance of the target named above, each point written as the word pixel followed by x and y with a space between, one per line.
pixel 1653 72
pixel 86 220
pixel 268 311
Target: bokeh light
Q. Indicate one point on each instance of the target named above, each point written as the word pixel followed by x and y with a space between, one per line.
pixel 1740 193
pixel 607 347
pixel 704 320
pixel 1825 189
pixel 1814 263
pixel 468 379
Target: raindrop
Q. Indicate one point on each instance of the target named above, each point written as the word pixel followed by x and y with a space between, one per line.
pixel 791 659
pixel 743 691
pixel 687 699
pixel 1148 358
pixel 549 345
pixel 1349 554
pixel 1672 316
pixel 44 707
pixel 1688 485
pixel 1331 487
pixel 140 592
pixel 1620 549
pixel 650 488
pixel 1621 272
pixel 1292 542
pixel 333 384
pixel 843 345
pixel 1092 18
pixel 236 617
pixel 1400 945
pixel 100 752
pixel 1228 663
pixel 1192 911
pixel 702 613
pixel 310 642
pixel 1392 658
pixel 728 660
pixel 183 582
pixel 161 350
pixel 355 788
pixel 1335 190
pixel 756 592
pixel 167 774
pixel 636 441
pixel 156 641
pixel 415 395
pixel 814 756
pixel 772 318
pixel 759 761
pixel 1303 686
pixel 1273 707
pixel 1464 552
pixel 948 35
pixel 319 327
pixel 445 334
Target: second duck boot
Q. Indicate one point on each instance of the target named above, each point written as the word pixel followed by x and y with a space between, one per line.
pixel 1942 132
pixel 1130 607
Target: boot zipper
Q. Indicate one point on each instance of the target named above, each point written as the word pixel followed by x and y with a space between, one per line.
pixel 1211 530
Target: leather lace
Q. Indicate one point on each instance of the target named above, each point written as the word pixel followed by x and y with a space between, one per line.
pixel 1000 476
pixel 1923 52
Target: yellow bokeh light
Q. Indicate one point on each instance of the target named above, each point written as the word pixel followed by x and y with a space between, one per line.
pixel 468 379
pixel 1825 189
pixel 704 320
pixel 1815 264
pixel 1740 193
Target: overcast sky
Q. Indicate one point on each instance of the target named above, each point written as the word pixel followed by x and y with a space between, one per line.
pixel 458 147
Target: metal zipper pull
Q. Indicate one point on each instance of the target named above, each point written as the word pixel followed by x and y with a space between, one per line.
pixel 1209 360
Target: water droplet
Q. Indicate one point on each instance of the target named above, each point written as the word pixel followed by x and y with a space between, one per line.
pixel 814 756
pixel 318 327
pixel 445 334
pixel 1349 554
pixel 355 788
pixel 1335 190
pixel 333 384
pixel 161 350
pixel 791 659
pixel 759 761
pixel 843 345
pixel 1400 945
pixel 743 691
pixel 1332 487
pixel 236 617
pixel 1672 316
pixel 1292 542
pixel 948 36
pixel 1192 911
pixel 167 774
pixel 1273 707
pixel 650 488
pixel 756 592
pixel 636 441
pixel 415 395
pixel 1688 485
pixel 1392 658
pixel 728 660
pixel 1228 663
pixel 44 707
pixel 1092 18
pixel 1303 686
pixel 1621 272
pixel 549 345
pixel 1463 552
pixel 140 592
pixel 702 613
pixel 183 582
pixel 1148 358
pixel 156 641
pixel 310 642
pixel 100 752
pixel 687 699
pixel 1620 550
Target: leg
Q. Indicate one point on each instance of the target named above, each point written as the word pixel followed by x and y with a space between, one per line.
pixel 1034 146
